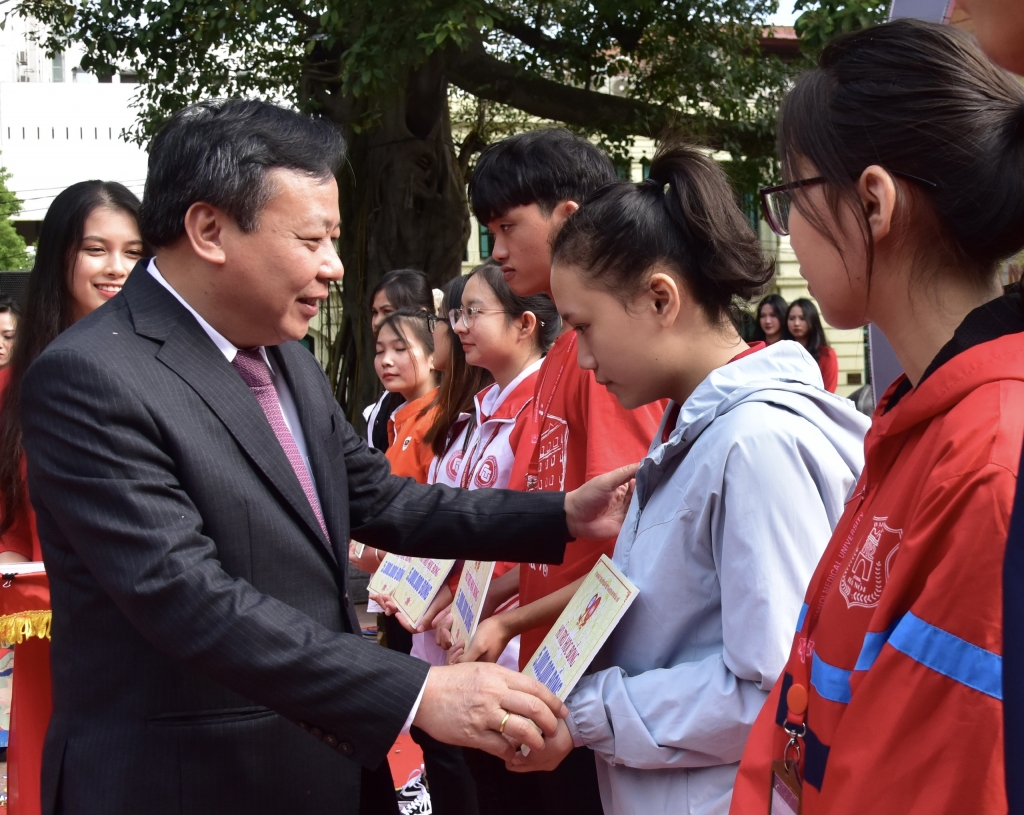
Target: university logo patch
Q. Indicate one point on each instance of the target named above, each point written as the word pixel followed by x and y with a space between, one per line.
pixel 487 474
pixel 452 467
pixel 867 571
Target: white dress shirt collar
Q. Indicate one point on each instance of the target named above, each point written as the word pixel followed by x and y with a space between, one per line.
pixel 222 343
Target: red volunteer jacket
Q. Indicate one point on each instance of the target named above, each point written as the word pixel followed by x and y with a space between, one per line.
pixel 899 643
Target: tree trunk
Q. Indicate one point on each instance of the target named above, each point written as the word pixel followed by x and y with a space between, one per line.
pixel 403 205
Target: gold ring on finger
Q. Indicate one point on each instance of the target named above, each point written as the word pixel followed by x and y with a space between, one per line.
pixel 501 727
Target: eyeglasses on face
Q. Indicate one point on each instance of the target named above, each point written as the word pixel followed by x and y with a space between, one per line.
pixel 776 202
pixel 468 315
pixel 432 321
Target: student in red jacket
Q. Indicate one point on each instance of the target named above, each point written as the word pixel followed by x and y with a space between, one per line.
pixel 523 189
pixel 904 152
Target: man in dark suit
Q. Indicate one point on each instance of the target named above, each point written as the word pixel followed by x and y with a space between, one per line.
pixel 196 486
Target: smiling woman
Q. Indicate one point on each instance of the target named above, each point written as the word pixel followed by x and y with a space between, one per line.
pixel 107 253
pixel 88 244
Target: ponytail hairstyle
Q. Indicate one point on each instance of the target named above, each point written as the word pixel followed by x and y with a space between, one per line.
pixel 777 304
pixel 683 216
pixel 549 324
pixel 460 382
pixel 925 103
pixel 816 339
pixel 49 311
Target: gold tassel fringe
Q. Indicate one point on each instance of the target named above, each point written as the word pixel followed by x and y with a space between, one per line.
pixel 15 628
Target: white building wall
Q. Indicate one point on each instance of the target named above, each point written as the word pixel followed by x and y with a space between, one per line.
pixel 53 135
pixel 59 125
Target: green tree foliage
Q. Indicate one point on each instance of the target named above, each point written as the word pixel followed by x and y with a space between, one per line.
pixel 384 70
pixel 13 252
pixel 822 20
pixel 695 64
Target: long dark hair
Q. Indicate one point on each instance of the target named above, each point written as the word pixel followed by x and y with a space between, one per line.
pixel 685 216
pixel 924 102
pixel 49 310
pixel 781 309
pixel 816 339
pixel 460 382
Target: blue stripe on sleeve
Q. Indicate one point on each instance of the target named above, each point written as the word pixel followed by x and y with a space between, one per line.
pixel 830 682
pixel 873 642
pixel 800 619
pixel 947 654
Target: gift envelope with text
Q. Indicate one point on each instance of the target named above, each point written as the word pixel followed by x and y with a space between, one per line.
pixel 420 585
pixel 389 575
pixel 469 599
pixel 581 630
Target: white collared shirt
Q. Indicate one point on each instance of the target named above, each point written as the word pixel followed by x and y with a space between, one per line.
pixel 284 394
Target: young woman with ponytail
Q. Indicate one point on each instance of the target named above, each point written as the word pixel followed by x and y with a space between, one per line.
pixel 904 156
pixel 734 502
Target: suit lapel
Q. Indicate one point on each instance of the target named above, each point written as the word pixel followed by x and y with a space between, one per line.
pixel 317 427
pixel 191 354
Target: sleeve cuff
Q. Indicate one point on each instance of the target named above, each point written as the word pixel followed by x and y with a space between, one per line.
pixel 415 709
pixel 574 731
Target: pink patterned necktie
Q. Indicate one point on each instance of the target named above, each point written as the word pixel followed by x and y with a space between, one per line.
pixel 254 371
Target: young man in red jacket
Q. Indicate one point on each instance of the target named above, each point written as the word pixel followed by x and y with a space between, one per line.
pixel 523 189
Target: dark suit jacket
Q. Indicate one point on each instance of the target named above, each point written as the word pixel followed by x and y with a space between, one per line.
pixel 200 624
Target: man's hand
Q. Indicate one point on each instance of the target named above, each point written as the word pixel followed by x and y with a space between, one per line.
pixel 597 509
pixel 554 753
pixel 465 705
pixel 488 642
pixel 368 561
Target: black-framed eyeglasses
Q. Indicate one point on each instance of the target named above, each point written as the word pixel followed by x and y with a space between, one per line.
pixel 432 321
pixel 469 315
pixel 776 202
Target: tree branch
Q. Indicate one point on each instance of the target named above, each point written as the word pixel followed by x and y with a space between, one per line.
pixel 476 71
pixel 481 74
pixel 528 35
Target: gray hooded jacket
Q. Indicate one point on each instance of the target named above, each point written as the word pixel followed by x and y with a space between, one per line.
pixel 728 521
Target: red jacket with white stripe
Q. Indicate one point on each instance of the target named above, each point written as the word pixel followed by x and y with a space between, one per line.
pixel 899 642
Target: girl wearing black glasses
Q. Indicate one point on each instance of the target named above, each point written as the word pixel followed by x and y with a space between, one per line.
pixel 904 152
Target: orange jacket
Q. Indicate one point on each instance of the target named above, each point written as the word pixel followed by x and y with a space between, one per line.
pixel 900 636
pixel 407 453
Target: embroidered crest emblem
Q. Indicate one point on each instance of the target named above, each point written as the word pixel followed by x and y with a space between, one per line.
pixel 867 571
pixel 406 443
pixel 452 467
pixel 487 474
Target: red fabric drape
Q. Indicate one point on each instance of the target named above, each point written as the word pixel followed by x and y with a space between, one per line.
pixel 21 599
